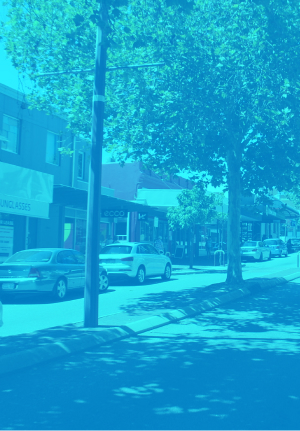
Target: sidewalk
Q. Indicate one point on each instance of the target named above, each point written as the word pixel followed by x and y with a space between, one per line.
pixel 20 351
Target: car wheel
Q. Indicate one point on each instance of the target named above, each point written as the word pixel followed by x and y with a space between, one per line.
pixel 261 257
pixel 141 275
pixel 60 289
pixel 167 274
pixel 269 258
pixel 103 282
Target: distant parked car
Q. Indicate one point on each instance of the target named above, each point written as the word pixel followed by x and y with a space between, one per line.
pixel 293 245
pixel 255 250
pixel 55 270
pixel 135 260
pixel 277 247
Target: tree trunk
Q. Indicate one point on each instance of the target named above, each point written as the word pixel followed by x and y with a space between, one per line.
pixel 234 271
pixel 191 247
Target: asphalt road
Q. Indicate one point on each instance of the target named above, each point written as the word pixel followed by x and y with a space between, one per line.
pixel 23 314
pixel 236 367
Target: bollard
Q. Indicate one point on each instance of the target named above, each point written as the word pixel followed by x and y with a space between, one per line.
pixel 222 254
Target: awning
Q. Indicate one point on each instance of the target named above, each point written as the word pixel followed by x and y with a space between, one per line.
pixel 25 191
pixel 77 198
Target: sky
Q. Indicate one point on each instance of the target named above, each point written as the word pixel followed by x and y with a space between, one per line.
pixel 8 74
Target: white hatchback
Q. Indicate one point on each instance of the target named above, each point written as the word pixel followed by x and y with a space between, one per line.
pixel 135 260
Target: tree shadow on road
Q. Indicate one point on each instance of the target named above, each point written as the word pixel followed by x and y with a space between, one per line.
pixel 235 368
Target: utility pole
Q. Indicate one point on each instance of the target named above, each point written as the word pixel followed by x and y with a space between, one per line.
pixel 91 291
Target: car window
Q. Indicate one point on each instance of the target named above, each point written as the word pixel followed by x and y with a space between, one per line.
pixel 260 244
pixel 152 249
pixel 116 249
pixel 30 256
pixel 143 249
pixel 79 257
pixel 249 244
pixel 66 256
pixel 271 241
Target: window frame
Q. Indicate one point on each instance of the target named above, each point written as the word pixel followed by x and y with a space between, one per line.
pixel 18 134
pixel 57 146
pixel 82 165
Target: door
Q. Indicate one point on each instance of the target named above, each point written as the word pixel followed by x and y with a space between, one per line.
pixel 80 268
pixel 158 261
pixel 67 266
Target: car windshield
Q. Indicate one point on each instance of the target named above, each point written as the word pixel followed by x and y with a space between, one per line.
pixel 271 241
pixel 249 244
pixel 116 249
pixel 30 256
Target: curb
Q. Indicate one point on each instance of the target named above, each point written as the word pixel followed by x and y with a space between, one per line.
pixel 99 336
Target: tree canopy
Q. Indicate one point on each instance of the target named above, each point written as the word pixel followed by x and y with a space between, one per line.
pixel 224 105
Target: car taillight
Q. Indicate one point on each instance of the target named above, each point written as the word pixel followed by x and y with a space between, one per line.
pixel 100 260
pixel 127 259
pixel 255 249
pixel 277 246
pixel 34 273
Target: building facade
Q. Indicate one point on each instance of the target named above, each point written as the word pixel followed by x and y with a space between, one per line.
pixel 43 191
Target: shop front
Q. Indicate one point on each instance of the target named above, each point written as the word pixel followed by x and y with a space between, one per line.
pixel 25 199
pixel 120 220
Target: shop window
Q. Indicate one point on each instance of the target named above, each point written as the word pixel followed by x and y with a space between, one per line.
pixel 9 136
pixel 69 233
pixel 80 165
pixel 121 228
pixel 52 153
pixel 80 238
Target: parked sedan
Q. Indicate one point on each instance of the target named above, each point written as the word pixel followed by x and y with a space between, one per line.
pixel 135 261
pixel 55 270
pixel 277 246
pixel 255 250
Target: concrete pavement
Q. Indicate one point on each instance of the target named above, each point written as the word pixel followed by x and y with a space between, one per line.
pixel 24 350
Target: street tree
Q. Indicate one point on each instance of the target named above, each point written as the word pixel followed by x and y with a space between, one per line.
pixel 224 106
pixel 195 207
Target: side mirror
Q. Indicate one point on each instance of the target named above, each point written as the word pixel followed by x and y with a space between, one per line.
pixel 161 252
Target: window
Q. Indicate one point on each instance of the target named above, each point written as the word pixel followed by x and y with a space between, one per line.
pixel 79 257
pixel 30 256
pixel 9 134
pixel 80 172
pixel 66 257
pixel 52 153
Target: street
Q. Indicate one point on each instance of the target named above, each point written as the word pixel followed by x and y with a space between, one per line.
pixel 232 368
pixel 27 313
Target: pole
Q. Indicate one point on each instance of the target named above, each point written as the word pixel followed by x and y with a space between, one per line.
pixel 91 291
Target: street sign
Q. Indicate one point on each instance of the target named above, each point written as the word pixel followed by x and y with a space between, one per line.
pixel 143 216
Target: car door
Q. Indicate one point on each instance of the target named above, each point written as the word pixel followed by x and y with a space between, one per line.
pixel 145 257
pixel 265 252
pixel 158 261
pixel 80 269
pixel 66 265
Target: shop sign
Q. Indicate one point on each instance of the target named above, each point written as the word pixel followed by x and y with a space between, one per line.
pixel 27 192
pixel 24 207
pixel 143 216
pixel 114 213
